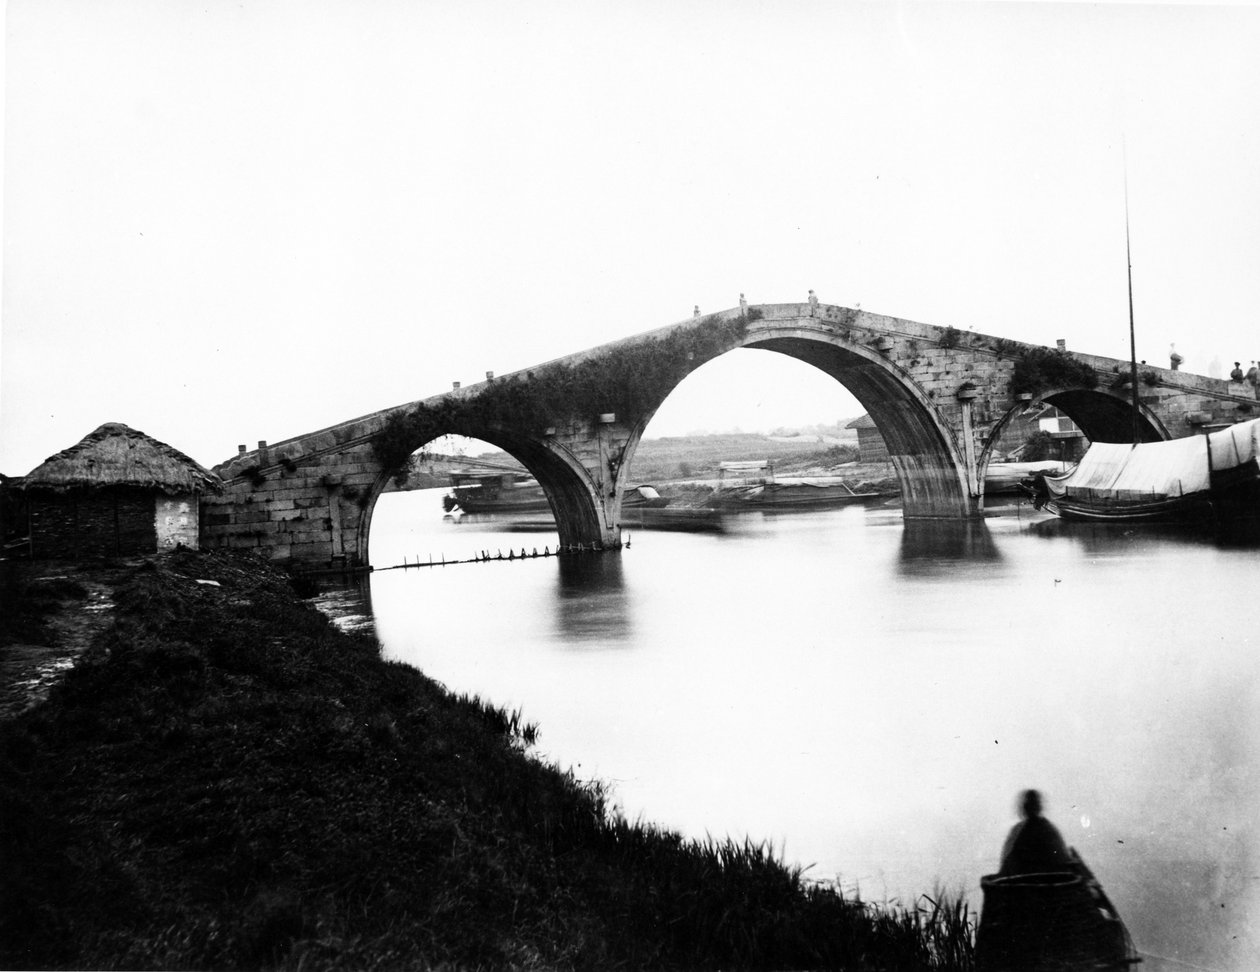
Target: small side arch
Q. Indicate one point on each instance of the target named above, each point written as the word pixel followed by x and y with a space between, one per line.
pixel 565 482
pixel 1105 415
pixel 1101 415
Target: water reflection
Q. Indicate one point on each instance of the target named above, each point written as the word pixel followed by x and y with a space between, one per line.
pixel 591 603
pixel 860 691
pixel 1108 537
pixel 347 600
pixel 933 547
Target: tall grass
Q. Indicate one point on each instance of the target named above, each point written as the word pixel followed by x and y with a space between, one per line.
pixel 938 931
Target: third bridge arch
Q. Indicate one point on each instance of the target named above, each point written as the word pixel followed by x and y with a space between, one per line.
pixel 939 397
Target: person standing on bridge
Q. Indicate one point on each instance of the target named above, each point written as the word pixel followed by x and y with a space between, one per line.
pixel 1237 373
pixel 1252 372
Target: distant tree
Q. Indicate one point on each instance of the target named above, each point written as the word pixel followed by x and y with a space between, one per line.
pixel 840 454
pixel 1039 446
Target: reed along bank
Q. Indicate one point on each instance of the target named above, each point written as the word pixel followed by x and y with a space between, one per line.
pixel 227 781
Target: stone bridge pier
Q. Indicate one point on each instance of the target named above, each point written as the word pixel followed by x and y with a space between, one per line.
pixel 940 397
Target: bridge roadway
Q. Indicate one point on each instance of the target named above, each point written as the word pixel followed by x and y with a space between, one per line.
pixel 939 396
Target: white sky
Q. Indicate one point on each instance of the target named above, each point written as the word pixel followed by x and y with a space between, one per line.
pixel 233 221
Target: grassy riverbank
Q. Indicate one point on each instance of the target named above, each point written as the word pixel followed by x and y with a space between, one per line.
pixel 227 781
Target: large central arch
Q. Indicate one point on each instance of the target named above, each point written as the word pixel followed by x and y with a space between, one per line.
pixel 929 465
pixel 925 454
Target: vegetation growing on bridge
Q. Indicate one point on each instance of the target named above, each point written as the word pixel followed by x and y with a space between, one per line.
pixel 628 380
pixel 1041 369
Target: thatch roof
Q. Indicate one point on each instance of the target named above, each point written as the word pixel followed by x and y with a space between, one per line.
pixel 115 455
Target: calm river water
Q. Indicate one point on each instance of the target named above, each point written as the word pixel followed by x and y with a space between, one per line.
pixel 870 696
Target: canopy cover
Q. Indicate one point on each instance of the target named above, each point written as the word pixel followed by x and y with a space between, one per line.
pixel 1235 445
pixel 1177 467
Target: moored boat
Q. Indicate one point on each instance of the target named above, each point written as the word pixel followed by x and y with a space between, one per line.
pixel 1061 921
pixel 495 492
pixel 794 494
pixel 680 519
pixel 752 486
pixel 1201 478
pixel 642 497
pixel 478 492
pixel 1003 478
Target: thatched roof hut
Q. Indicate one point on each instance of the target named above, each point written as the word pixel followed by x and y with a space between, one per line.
pixel 117 492
pixel 117 455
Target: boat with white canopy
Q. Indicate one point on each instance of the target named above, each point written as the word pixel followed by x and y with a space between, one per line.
pixel 1196 478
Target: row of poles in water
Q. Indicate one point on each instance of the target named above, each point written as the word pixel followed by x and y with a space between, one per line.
pixel 485 556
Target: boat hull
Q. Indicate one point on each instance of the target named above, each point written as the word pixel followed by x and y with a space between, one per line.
pixel 470 503
pixel 1230 506
pixel 680 519
pixel 1056 922
pixel 1184 509
pixel 785 497
pixel 490 495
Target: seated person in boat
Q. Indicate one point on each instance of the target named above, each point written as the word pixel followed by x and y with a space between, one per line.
pixel 1034 845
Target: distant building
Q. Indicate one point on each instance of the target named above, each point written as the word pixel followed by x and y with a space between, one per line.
pixel 117 492
pixel 1016 438
pixel 1069 438
pixel 871 445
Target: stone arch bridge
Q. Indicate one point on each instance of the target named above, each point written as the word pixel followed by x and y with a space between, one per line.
pixel 938 395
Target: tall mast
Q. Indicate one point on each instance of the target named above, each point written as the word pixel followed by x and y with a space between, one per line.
pixel 1133 371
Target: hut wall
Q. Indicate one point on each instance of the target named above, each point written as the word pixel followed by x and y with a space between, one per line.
pixel 14 522
pixel 104 522
pixel 871 445
pixel 177 521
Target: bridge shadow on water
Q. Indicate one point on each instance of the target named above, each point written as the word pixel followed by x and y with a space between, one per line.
pixel 591 605
pixel 934 547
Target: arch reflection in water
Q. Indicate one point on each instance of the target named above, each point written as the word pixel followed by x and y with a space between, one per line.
pixel 933 547
pixel 591 603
